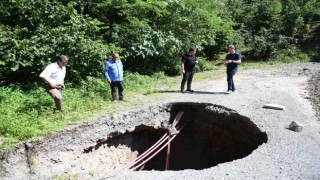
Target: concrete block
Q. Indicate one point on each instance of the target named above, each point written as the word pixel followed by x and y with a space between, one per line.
pixel 274 106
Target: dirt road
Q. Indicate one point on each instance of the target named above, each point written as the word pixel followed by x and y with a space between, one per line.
pixel 286 154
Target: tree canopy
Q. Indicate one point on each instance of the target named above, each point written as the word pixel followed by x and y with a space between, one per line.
pixel 151 35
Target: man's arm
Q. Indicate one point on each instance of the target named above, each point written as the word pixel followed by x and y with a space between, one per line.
pixel 182 68
pixel 106 70
pixel 182 64
pixel 51 84
pixel 227 61
pixel 45 77
pixel 238 61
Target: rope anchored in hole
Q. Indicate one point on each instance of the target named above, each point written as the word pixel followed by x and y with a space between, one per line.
pixel 173 131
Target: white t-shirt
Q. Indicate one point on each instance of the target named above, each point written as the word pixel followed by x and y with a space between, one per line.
pixel 55 73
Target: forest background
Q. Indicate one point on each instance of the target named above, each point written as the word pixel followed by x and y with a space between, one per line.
pixel 150 35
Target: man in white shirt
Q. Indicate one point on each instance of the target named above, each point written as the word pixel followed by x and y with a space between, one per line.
pixel 53 75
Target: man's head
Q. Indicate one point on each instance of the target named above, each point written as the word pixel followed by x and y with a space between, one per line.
pixel 231 48
pixel 63 60
pixel 192 51
pixel 115 56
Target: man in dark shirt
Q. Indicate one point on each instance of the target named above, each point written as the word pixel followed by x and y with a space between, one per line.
pixel 188 63
pixel 232 61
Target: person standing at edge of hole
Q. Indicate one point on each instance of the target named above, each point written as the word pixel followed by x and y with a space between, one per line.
pixel 53 75
pixel 232 61
pixel 188 63
pixel 113 72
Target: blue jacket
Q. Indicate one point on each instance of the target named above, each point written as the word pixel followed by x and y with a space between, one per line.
pixel 114 70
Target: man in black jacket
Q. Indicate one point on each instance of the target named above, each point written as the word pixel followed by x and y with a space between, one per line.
pixel 188 63
pixel 232 61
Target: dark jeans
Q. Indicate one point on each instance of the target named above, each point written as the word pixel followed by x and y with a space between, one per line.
pixel 114 86
pixel 187 77
pixel 230 74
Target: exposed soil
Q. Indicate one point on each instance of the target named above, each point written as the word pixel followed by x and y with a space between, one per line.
pixel 260 146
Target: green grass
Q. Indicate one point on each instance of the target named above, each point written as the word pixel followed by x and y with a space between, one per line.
pixel 27 110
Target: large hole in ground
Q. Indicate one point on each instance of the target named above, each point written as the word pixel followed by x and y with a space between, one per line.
pixel 212 134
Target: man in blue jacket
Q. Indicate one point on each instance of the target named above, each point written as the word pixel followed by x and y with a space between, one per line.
pixel 113 72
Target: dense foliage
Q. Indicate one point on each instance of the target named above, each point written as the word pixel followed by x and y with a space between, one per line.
pixel 150 34
pixel 271 27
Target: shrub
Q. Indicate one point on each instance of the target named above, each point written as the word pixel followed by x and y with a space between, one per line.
pixel 292 54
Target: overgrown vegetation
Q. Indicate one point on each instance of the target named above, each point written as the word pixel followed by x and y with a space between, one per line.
pixel 27 110
pixel 151 36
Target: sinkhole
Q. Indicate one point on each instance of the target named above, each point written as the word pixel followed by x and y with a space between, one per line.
pixel 211 135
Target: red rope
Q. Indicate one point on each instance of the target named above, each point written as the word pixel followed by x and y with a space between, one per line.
pixel 168 156
pixel 149 151
pixel 154 147
pixel 156 152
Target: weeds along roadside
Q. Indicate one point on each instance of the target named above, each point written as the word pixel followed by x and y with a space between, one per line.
pixel 27 110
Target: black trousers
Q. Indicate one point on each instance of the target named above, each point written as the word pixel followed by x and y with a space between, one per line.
pixel 187 77
pixel 114 86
